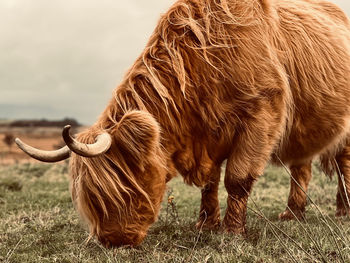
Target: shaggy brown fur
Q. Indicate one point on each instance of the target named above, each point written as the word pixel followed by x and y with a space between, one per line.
pixel 242 80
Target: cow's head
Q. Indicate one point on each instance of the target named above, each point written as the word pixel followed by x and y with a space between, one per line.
pixel 117 176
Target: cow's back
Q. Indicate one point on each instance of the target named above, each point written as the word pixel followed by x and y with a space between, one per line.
pixel 315 40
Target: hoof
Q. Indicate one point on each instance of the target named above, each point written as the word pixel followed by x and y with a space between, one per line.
pixel 241 230
pixel 208 224
pixel 288 215
pixel 341 212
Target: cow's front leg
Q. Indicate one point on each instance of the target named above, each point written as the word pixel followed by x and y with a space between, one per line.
pixel 250 154
pixel 238 190
pixel 209 214
pixel 255 138
pixel 242 169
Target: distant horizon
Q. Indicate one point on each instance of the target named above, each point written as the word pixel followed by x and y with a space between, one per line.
pixel 66 58
pixel 10 120
pixel 35 115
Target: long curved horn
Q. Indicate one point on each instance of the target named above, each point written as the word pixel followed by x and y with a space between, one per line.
pixel 102 144
pixel 44 156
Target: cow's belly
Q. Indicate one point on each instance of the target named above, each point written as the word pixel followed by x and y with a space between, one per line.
pixel 313 136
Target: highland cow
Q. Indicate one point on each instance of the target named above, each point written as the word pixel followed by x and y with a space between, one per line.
pixel 247 81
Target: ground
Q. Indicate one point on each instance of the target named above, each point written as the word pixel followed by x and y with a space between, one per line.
pixel 38 223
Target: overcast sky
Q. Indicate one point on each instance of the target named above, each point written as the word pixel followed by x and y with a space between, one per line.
pixel 63 58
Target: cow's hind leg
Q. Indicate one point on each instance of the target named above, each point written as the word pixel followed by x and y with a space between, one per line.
pixel 209 215
pixel 301 175
pixel 343 195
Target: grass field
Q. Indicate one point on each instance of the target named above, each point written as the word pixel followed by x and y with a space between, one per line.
pixel 38 224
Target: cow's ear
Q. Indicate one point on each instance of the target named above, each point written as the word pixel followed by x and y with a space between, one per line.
pixel 138 133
